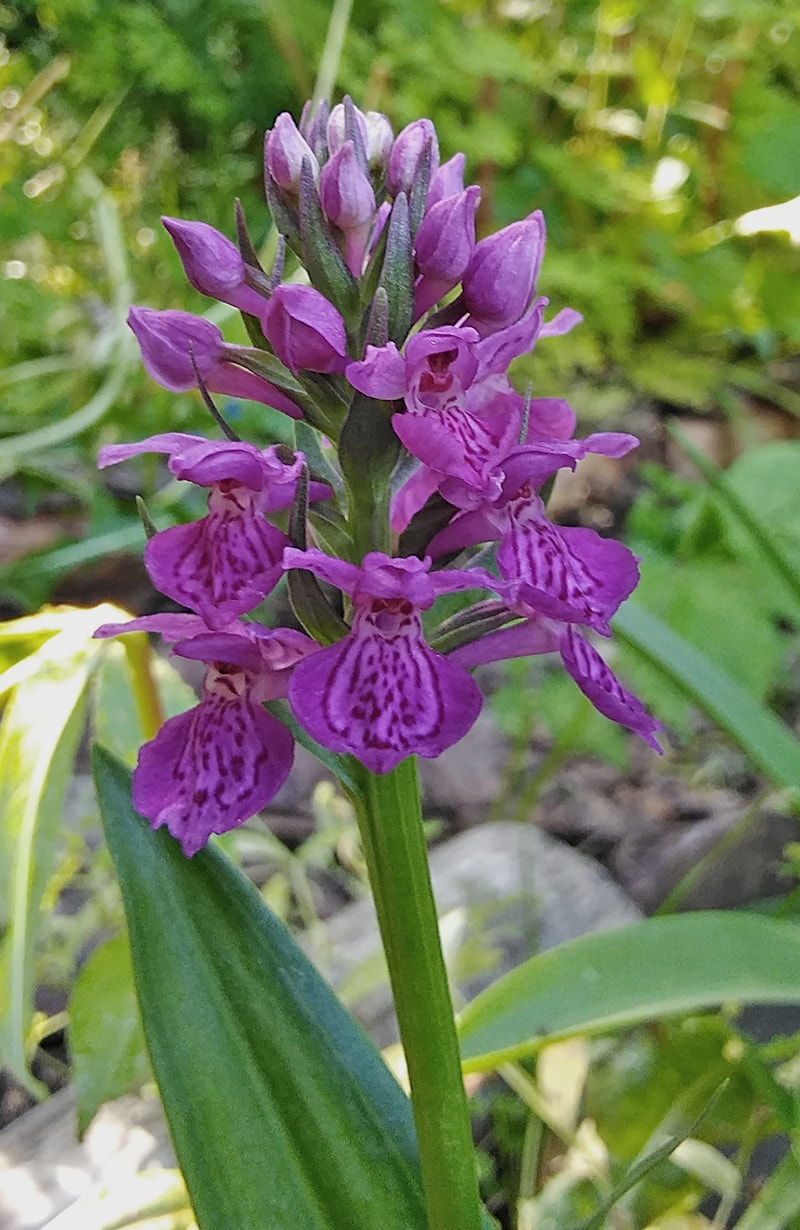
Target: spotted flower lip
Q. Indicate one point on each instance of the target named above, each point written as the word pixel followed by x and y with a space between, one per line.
pixel 213 767
pixel 382 693
pixel 226 563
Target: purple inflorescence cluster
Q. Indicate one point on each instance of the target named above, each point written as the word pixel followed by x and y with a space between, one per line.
pixel 390 346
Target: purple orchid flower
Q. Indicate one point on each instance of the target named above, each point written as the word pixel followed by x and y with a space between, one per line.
pixel 169 340
pixel 566 573
pixel 382 693
pixel 215 766
pixel 226 563
pixel 213 264
pixel 461 414
pixel 500 282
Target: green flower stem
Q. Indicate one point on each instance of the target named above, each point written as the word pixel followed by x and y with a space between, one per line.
pixel 390 820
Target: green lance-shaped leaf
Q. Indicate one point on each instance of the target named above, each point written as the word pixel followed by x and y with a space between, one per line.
pixel 397 275
pixel 39 734
pixel 658 968
pixel 106 1042
pixel 281 1111
pixel 767 740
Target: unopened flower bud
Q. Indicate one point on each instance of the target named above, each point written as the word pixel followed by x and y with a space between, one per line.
pixel 305 330
pixel 446 237
pixel 345 192
pixel 173 344
pixel 337 127
pixel 284 151
pixel 380 139
pixel 500 281
pixel 407 153
pixel 447 180
pixel 349 203
pixel 444 245
pixel 213 264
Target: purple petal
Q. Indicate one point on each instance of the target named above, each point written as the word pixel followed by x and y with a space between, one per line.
pixel 167 341
pixel 599 683
pixel 338 572
pixel 451 441
pixel 532 636
pixel 221 566
pixel 496 351
pixel 610 443
pixel 381 374
pixel 447 180
pixel 234 649
pixel 562 323
pixel 411 497
pixel 213 264
pixel 383 699
pixel 550 418
pixel 173 627
pixel 465 530
pixel 568 574
pixel 166 442
pixel 210 462
pixel 211 768
pixel 304 329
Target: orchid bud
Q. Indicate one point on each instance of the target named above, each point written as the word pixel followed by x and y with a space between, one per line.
pixel 444 245
pixel 446 237
pixel 337 128
pixel 406 155
pixel 500 281
pixel 345 192
pixel 284 151
pixel 447 180
pixel 380 139
pixel 349 203
pixel 213 264
pixel 305 330
pixel 177 346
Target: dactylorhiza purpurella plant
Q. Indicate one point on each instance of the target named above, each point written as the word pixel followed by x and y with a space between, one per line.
pixel 417 457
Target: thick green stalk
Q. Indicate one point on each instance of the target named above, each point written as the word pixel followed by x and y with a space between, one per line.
pixel 388 810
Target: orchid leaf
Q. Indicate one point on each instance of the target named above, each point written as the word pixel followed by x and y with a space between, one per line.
pixel 264 1077
pixel 657 968
pixel 106 1039
pixel 41 727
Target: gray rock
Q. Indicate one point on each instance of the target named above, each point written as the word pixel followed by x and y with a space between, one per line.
pixel 503 891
